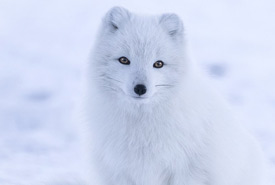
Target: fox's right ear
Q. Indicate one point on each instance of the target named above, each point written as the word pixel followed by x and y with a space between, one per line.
pixel 115 17
pixel 172 24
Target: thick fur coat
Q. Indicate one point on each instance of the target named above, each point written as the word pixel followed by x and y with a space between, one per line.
pixel 179 132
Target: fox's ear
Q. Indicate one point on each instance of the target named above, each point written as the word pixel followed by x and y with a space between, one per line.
pixel 115 17
pixel 172 24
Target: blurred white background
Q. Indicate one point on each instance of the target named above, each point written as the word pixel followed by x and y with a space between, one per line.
pixel 45 45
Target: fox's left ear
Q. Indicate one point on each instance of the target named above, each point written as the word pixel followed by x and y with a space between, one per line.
pixel 172 24
pixel 116 17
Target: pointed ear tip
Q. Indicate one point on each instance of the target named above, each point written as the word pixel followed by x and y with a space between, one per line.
pixel 117 9
pixel 170 16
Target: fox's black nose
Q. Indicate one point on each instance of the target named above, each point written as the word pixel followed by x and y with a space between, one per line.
pixel 140 89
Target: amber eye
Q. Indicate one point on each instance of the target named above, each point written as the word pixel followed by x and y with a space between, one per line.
pixel 158 64
pixel 124 60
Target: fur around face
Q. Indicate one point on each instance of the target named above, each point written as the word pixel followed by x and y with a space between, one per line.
pixel 179 132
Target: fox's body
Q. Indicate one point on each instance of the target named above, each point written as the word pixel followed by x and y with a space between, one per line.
pixel 156 125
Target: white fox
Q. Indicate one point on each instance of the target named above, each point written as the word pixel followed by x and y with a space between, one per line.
pixel 153 119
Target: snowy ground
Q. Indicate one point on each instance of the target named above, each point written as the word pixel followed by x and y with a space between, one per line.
pixel 44 46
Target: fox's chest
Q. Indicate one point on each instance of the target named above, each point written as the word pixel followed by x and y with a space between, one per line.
pixel 148 150
pixel 147 145
pixel 150 156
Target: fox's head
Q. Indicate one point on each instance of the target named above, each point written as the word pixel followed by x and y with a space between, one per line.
pixel 139 57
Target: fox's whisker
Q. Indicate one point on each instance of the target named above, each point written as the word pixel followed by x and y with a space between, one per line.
pixel 108 87
pixel 116 89
pixel 163 85
pixel 103 77
pixel 113 79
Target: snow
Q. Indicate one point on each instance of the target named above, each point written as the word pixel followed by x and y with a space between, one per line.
pixel 44 48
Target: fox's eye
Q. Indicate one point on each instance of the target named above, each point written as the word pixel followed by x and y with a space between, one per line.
pixel 158 64
pixel 124 60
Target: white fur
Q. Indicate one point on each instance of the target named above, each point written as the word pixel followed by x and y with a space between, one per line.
pixel 182 134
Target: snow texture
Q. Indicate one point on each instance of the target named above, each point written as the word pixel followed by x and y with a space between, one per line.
pixel 44 48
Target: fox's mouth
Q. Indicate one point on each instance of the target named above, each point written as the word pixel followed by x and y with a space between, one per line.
pixel 139 97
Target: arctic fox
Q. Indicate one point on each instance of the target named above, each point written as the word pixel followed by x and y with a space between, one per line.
pixel 154 120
